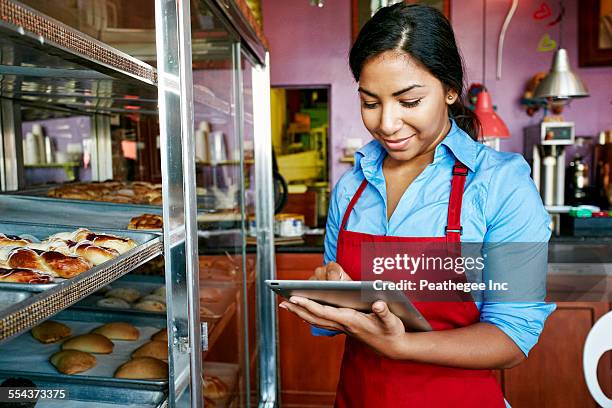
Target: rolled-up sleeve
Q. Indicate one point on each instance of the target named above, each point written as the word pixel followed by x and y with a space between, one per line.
pixel 515 214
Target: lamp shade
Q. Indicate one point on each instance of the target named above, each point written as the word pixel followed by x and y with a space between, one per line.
pixel 561 82
pixel 492 125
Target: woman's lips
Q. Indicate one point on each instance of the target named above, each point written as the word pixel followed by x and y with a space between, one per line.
pixel 398 144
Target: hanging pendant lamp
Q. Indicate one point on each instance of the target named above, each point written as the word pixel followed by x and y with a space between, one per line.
pixel 492 125
pixel 561 82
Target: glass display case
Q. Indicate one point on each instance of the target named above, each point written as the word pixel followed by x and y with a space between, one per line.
pixel 133 149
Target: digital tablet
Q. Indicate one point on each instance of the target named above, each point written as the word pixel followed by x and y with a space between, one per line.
pixel 358 295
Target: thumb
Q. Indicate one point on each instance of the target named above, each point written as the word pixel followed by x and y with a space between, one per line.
pixel 381 310
pixel 334 271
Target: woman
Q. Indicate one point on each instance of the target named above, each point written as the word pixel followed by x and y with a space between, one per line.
pixel 424 176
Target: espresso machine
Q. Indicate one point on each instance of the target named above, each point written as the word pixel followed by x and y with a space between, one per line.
pixel 544 149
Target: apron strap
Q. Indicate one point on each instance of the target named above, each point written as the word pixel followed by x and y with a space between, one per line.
pixel 453 229
pixel 362 187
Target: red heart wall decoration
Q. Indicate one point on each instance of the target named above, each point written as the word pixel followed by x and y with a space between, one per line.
pixel 542 12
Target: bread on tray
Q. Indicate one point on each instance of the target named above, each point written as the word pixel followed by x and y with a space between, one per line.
pixel 90 343
pixel 21 275
pixel 128 294
pixel 146 222
pixel 155 349
pixel 161 335
pixel 72 361
pixel 150 306
pixel 143 368
pixel 118 331
pixel 50 331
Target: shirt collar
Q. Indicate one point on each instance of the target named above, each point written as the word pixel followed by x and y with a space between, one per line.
pixel 459 143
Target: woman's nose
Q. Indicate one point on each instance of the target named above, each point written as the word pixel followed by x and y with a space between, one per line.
pixel 390 121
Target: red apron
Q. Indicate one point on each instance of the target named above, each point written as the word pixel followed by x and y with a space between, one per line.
pixel 369 380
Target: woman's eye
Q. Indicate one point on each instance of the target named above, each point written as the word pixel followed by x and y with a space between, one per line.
pixel 371 105
pixel 410 104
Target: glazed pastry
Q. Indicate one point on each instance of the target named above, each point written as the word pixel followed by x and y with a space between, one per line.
pixel 12 241
pixel 143 368
pixel 146 222
pixel 50 331
pixel 118 331
pixel 51 262
pixel 72 361
pixel 155 349
pixel 90 343
pixel 94 254
pixel 150 306
pixel 214 387
pixel 127 294
pixel 161 336
pixel 114 303
pixel 21 275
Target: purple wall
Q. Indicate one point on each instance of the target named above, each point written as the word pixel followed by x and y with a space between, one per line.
pixel 309 45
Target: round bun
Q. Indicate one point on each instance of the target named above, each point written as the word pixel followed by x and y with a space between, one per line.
pixel 50 332
pixel 128 294
pixel 114 303
pixel 19 275
pixel 94 254
pixel 150 306
pixel 155 349
pixel 214 387
pixel 72 361
pixel 90 343
pixel 63 265
pixel 143 368
pixel 161 335
pixel 156 298
pixel 118 331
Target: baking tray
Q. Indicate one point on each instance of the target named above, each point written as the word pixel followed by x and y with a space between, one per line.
pixel 8 297
pixel 226 372
pixel 24 356
pixel 77 213
pixel 145 284
pixel 42 231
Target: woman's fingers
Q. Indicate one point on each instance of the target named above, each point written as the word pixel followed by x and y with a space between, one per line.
pixel 319 274
pixel 335 272
pixel 311 318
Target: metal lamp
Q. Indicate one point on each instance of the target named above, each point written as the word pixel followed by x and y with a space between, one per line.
pixel 493 127
pixel 561 82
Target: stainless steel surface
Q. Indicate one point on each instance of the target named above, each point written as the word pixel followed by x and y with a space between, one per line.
pixel 91 214
pixel 204 334
pixel 101 166
pixel 12 159
pixel 31 311
pixel 10 296
pixel 266 304
pixel 561 82
pixel 27 26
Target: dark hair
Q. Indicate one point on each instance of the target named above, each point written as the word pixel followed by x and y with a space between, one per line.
pixel 427 36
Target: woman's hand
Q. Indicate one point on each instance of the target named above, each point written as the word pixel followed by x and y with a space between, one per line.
pixel 381 330
pixel 332 271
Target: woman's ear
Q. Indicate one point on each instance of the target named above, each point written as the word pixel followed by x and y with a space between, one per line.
pixel 451 96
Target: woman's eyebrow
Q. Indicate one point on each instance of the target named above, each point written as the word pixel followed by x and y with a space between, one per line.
pixel 397 93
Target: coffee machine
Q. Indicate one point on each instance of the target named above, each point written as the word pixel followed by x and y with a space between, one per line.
pixel 544 149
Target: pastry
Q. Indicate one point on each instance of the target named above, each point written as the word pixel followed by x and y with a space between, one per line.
pixel 114 303
pixel 155 349
pixel 143 368
pixel 120 244
pixel 150 306
pixel 156 298
pixel 50 331
pixel 146 222
pixel 51 262
pixel 210 295
pixel 127 294
pixel 214 387
pixel 12 241
pixel 118 331
pixel 90 343
pixel 72 361
pixel 161 291
pixel 161 336
pixel 94 254
pixel 20 275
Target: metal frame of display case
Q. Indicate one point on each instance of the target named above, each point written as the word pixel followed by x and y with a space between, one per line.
pixel 68 51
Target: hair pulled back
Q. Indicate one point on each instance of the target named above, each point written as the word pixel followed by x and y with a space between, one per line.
pixel 427 36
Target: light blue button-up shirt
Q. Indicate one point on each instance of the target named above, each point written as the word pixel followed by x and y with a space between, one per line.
pixel 500 204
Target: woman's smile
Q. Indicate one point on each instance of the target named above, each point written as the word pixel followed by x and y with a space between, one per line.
pixel 397 144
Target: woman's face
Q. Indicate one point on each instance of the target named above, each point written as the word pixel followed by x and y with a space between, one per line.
pixel 403 106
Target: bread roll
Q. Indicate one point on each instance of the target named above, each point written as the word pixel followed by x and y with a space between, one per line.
pixel 160 291
pixel 63 265
pixel 161 335
pixel 146 222
pixel 143 368
pixel 50 331
pixel 12 241
pixel 214 387
pixel 90 343
pixel 155 349
pixel 118 331
pixel 127 294
pixel 94 254
pixel 19 275
pixel 156 298
pixel 114 303
pixel 72 361
pixel 120 244
pixel 150 306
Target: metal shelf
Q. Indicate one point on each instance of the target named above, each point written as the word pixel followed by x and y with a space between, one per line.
pixel 22 316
